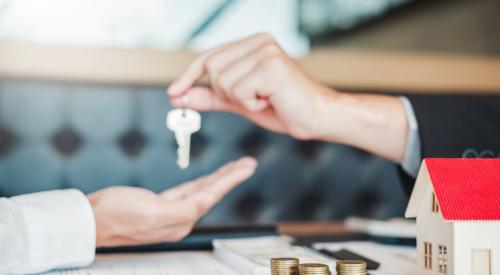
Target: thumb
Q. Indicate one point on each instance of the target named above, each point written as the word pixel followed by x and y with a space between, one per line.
pixel 228 177
pixel 203 99
pixel 255 104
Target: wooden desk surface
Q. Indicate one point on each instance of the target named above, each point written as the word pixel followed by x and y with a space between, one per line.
pixel 316 229
pixel 356 70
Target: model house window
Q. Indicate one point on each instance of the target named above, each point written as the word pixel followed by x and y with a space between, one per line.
pixel 435 205
pixel 427 255
pixel 443 259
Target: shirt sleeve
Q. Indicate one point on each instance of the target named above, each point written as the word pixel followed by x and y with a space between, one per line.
pixel 46 230
pixel 412 155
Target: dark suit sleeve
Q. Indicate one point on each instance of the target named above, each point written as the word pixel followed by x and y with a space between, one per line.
pixel 457 126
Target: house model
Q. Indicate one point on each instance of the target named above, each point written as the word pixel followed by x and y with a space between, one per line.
pixel 457 206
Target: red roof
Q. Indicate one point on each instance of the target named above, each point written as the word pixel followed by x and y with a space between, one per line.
pixel 466 189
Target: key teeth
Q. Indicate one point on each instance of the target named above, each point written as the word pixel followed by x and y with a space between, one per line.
pixel 180 160
pixel 183 164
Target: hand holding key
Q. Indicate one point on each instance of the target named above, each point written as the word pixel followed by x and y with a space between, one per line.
pixel 183 122
pixel 255 78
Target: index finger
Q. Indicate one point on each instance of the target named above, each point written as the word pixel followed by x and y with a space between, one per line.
pixel 194 72
pixel 226 178
pixel 225 53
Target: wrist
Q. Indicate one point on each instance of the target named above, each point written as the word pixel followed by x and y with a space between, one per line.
pixel 98 226
pixel 324 124
pixel 375 123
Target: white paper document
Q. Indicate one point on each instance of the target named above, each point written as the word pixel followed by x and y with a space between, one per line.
pixel 252 255
pixel 164 263
pixel 394 260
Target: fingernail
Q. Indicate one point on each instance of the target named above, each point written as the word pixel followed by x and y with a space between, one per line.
pixel 176 101
pixel 173 89
pixel 248 161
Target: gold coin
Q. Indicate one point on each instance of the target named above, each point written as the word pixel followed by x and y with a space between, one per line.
pixel 351 267
pixel 314 269
pixel 284 266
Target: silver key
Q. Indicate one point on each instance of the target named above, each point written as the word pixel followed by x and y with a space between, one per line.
pixel 183 122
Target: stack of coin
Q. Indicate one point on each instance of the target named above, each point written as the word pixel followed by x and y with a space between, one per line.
pixel 314 269
pixel 351 268
pixel 285 266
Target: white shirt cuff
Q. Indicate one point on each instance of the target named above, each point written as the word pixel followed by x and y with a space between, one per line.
pixel 59 229
pixel 411 159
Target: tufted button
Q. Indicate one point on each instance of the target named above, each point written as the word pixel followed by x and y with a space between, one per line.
pixel 132 142
pixel 254 143
pixel 249 206
pixel 8 140
pixel 307 207
pixel 366 203
pixel 66 141
pixel 150 114
pixel 309 150
pixel 199 143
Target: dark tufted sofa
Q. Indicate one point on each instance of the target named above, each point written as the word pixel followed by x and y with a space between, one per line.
pixel 64 135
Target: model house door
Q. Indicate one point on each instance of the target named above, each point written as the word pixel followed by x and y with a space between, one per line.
pixel 481 262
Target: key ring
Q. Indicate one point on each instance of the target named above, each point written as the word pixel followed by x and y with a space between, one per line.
pixel 185 102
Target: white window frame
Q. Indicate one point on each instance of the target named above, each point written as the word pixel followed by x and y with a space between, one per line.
pixel 435 205
pixel 443 259
pixel 427 255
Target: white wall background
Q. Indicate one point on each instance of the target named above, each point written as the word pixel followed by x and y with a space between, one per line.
pixel 164 24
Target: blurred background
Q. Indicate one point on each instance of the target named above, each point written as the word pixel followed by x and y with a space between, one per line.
pixel 90 135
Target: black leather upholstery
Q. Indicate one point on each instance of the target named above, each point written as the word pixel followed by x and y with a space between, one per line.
pixel 62 135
